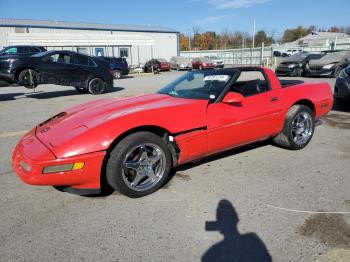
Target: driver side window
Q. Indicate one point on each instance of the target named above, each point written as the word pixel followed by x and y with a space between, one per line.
pixel 59 58
pixel 250 83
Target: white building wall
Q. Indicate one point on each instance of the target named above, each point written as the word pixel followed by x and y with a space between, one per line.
pixel 143 45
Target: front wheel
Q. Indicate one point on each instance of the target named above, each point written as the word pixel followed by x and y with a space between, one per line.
pixel 337 71
pixel 139 164
pixel 298 129
pixel 28 78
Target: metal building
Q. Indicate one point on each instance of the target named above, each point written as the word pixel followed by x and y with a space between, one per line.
pixel 136 43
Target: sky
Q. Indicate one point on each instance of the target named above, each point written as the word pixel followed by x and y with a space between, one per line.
pixel 182 15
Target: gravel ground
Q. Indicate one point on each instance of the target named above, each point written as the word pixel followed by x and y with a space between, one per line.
pixel 258 199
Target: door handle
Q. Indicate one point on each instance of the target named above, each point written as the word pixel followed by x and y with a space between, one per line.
pixel 274 98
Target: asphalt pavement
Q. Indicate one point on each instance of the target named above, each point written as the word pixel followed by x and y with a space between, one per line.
pixel 283 205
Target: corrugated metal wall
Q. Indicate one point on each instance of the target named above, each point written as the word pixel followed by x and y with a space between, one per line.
pixel 142 45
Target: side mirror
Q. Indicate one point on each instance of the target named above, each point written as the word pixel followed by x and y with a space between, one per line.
pixel 233 98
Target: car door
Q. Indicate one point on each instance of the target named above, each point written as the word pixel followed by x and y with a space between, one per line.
pixel 79 69
pixel 254 119
pixel 53 68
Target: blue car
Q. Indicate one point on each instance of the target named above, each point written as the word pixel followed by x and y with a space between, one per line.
pixel 118 65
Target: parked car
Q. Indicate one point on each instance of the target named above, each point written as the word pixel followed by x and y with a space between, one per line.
pixel 118 65
pixel 291 52
pixel 342 86
pixel 202 63
pixel 158 64
pixel 218 62
pixel 133 143
pixel 277 53
pixel 295 65
pixel 180 63
pixel 329 65
pixel 21 50
pixel 61 68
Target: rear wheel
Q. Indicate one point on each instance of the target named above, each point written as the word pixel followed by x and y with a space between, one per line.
pixel 139 164
pixel 28 78
pixel 117 74
pixel 298 128
pixel 97 86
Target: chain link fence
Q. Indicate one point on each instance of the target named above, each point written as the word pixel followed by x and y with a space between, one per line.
pixel 258 56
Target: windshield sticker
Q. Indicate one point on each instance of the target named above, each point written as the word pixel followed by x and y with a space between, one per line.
pixel 222 78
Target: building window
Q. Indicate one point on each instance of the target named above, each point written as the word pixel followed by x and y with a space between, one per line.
pixel 82 50
pixel 20 30
pixel 99 51
pixel 124 52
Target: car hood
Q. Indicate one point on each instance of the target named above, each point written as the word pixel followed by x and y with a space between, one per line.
pixel 328 59
pixel 101 121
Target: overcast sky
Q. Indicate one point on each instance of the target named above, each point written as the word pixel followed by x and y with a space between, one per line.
pixel 182 15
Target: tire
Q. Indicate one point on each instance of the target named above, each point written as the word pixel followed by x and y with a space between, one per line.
pixel 24 78
pixel 135 151
pixel 337 71
pixel 81 89
pixel 293 128
pixel 97 86
pixel 117 74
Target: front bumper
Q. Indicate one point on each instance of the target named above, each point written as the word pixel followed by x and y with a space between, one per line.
pixel 8 77
pixel 31 156
pixel 319 72
pixel 286 71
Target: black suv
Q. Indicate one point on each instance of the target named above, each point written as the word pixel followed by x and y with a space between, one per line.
pixel 65 68
pixel 118 65
pixel 21 50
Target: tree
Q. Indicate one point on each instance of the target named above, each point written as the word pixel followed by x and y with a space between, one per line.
pixel 291 35
pixel 184 43
pixel 261 37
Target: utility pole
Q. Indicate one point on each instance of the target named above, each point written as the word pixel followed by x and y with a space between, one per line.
pixel 189 40
pixel 254 33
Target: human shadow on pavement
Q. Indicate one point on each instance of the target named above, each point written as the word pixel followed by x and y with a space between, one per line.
pixel 235 247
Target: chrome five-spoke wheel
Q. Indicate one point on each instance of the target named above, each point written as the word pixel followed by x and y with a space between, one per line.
pixel 139 164
pixel 302 128
pixel 143 166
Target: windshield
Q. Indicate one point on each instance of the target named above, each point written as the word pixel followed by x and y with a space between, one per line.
pixel 297 57
pixel 199 84
pixel 183 60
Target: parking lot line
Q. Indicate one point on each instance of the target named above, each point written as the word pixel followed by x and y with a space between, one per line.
pixel 13 133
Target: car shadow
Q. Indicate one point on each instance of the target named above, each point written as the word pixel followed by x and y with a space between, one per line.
pixel 47 95
pixel 235 246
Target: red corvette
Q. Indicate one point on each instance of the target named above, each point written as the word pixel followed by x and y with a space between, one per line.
pixel 134 142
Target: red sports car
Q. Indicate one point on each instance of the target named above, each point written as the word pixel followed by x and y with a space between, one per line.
pixel 202 63
pixel 134 142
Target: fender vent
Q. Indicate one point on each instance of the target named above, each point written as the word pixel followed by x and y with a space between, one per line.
pixel 53 118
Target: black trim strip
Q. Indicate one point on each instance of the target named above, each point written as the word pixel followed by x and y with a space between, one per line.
pixel 191 130
pixel 79 191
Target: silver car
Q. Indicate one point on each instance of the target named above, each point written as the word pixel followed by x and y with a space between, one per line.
pixel 218 62
pixel 180 63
